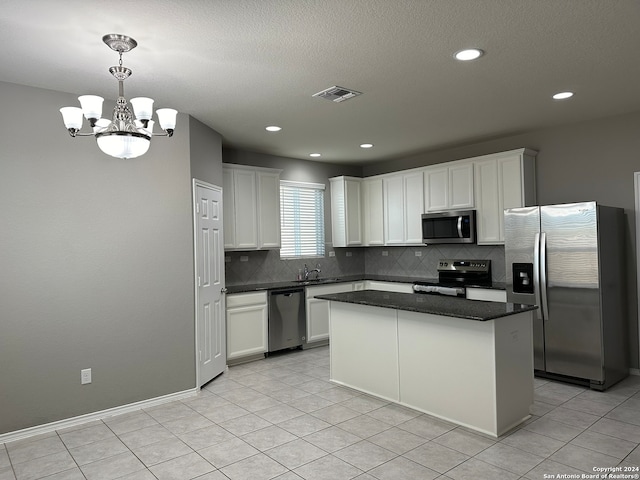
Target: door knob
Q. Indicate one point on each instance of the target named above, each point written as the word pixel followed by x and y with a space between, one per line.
pixel 223 290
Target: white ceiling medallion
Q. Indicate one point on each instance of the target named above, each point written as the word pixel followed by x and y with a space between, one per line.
pixel 122 136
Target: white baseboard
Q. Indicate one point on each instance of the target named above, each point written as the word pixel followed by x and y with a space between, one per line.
pixel 89 417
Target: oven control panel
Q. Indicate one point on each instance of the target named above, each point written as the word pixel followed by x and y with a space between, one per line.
pixel 464 265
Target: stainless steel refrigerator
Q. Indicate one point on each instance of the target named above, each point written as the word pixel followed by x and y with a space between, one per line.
pixel 569 260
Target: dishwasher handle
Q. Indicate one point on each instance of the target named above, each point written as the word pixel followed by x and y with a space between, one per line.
pixel 287 292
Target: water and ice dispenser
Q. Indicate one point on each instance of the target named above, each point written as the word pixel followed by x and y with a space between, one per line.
pixel 523 277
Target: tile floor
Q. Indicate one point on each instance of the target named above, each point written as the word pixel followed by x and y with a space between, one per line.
pixel 281 418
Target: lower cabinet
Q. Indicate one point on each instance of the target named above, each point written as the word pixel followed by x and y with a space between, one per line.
pixel 247 324
pixel 318 310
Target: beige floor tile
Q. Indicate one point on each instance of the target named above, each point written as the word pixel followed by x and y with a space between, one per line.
pixel 113 467
pixel 281 418
pixel 42 466
pixel 401 467
pixel 185 467
pixel 365 455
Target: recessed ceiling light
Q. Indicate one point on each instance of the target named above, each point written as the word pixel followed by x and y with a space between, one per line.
pixel 469 54
pixel 366 145
pixel 315 155
pixel 562 95
pixel 273 128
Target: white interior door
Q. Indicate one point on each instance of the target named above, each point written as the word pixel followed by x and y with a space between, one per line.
pixel 209 261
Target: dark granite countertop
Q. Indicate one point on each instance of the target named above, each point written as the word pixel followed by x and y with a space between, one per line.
pixel 351 278
pixel 435 304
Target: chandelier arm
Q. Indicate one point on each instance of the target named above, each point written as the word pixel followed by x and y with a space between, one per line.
pixel 166 133
pixel 74 132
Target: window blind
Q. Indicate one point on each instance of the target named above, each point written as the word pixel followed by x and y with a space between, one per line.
pixel 301 219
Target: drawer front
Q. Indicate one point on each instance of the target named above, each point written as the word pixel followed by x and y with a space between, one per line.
pixel 245 299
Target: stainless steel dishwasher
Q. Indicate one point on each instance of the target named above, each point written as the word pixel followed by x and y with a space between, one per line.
pixel 287 318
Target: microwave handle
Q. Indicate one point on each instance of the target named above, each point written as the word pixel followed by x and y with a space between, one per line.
pixel 460 226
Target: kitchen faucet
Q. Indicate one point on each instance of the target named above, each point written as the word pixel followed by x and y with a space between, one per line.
pixel 307 271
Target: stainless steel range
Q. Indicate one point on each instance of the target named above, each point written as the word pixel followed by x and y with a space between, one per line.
pixel 455 275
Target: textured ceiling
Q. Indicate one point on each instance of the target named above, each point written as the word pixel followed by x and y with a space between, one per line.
pixel 240 65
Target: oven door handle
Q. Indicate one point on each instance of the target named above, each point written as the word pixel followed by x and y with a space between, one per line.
pixel 460 226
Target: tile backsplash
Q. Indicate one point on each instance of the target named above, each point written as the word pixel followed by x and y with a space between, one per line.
pixel 422 261
pixel 265 266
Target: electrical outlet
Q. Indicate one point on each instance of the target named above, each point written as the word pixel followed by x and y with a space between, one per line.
pixel 85 376
pixel 244 258
pixel 385 253
pixel 349 254
pixel 418 253
pixel 332 253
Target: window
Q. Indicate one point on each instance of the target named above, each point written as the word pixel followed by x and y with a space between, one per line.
pixel 301 219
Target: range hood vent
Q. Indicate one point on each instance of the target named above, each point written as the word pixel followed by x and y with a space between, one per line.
pixel 337 94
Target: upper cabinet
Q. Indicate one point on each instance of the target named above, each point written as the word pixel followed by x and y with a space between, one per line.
pixel 346 215
pixel 448 187
pixel 387 209
pixel 268 209
pixel 372 211
pixel 251 207
pixel 503 180
pixel 403 208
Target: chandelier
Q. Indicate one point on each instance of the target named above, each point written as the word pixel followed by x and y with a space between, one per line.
pixel 122 136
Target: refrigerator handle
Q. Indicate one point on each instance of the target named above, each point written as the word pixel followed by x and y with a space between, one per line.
pixel 543 275
pixel 536 275
pixel 460 226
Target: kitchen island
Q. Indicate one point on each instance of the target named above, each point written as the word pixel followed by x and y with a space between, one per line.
pixel 465 361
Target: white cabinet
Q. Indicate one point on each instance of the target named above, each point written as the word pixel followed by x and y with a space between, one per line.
pixel 503 180
pixel 318 310
pixel 236 205
pixel 346 217
pixel 413 184
pixel 251 207
pixel 486 294
pixel 247 324
pixel 403 208
pixel 393 210
pixel 372 211
pixel 449 187
pixel 268 209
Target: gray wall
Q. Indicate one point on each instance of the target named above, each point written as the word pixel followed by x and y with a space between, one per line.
pixel 594 160
pixel 205 152
pixel 96 266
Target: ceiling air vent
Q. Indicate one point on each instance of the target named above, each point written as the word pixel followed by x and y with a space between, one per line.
pixel 337 94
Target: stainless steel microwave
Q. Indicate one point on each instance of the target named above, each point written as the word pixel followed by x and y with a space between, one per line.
pixel 449 227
